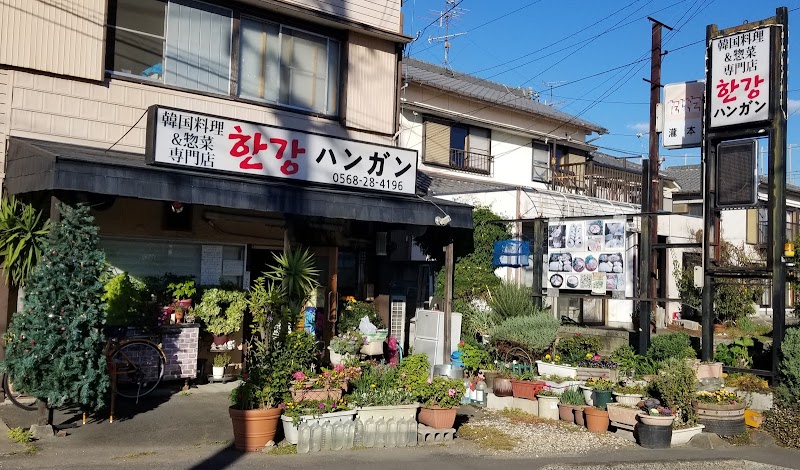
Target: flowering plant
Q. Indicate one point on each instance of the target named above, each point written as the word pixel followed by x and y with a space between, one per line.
pixel 348 343
pixel 547 392
pixel 720 397
pixel 596 361
pixel 312 408
pixel 600 385
pixel 440 391
pixel 326 379
pixel 379 385
pixel 555 358
pixel 653 407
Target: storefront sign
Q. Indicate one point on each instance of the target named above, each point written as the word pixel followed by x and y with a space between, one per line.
pixel 203 142
pixel 683 114
pixel 740 80
pixel 579 250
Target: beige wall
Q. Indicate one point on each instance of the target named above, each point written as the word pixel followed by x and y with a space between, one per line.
pixel 64 37
pixel 380 14
pixel 5 115
pixel 371 84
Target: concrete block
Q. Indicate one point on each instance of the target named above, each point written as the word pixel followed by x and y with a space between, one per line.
pixel 430 436
pixel 528 406
pixel 493 402
pixel 42 432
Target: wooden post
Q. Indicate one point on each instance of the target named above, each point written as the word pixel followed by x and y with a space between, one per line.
pixel 448 300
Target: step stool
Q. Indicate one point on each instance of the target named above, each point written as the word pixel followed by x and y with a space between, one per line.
pixel 430 436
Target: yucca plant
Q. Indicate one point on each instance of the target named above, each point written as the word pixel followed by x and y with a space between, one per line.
pixel 296 275
pixel 23 231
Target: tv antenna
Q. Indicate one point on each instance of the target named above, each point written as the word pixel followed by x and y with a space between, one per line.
pixel 449 14
pixel 550 85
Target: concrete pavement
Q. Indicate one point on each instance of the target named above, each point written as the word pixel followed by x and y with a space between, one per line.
pixel 193 431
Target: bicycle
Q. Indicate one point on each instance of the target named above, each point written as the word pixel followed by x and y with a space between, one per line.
pixel 136 367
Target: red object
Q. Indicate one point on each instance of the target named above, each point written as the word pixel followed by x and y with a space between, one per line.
pixel 220 340
pixel 252 429
pixel 526 389
pixel 438 418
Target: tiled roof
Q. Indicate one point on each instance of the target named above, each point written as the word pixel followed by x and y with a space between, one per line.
pixel 688 177
pixel 610 161
pixel 485 90
pixel 443 185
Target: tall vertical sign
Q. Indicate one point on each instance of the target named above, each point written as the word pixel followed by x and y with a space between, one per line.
pixel 683 115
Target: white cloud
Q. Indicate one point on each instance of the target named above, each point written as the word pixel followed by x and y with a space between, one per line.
pixel 640 126
pixel 792 106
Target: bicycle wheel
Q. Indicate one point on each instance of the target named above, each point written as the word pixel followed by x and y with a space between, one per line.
pixel 26 402
pixel 139 366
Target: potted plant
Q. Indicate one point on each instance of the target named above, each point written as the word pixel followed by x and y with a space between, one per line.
pixel 222 312
pixel 502 385
pixel 440 397
pixel 588 391
pixel 654 414
pixel 559 384
pixel 182 291
pixel 628 393
pixel 474 357
pixel 754 390
pixel 570 403
pixel 674 386
pixel 523 386
pixel 620 414
pixel 310 412
pixel 595 366
pixel 378 393
pixel 551 365
pixel 328 384
pixel 596 418
pixel 345 345
pixel 220 362
pixel 709 370
pixel 601 395
pixel 721 412
pixel 548 404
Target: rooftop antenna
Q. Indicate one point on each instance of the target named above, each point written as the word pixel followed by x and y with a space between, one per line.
pixel 550 85
pixel 449 14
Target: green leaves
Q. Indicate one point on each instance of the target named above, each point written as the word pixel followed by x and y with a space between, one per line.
pixel 23 232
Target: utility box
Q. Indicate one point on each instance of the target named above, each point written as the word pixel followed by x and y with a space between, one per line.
pixel 429 334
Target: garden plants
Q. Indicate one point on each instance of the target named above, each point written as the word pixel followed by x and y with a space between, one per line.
pixel 672 345
pixel 674 386
pixel 576 348
pixel 440 398
pixel 222 311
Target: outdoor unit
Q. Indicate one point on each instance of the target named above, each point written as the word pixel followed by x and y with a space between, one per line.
pixel 397 319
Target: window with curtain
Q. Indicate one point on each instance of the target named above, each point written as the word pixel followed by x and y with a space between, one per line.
pixel 541 161
pixel 466 148
pixel 184 43
pixel 287 66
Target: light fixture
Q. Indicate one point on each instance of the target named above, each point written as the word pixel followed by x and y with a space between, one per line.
pixel 177 207
pixel 442 221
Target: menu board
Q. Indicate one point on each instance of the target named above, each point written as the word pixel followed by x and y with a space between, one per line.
pixel 577 250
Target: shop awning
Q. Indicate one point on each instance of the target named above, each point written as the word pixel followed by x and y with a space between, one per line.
pixel 35 165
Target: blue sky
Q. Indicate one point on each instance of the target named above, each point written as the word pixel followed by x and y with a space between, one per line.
pixel 529 42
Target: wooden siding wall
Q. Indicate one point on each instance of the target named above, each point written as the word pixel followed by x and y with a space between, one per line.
pixel 64 37
pixel 371 84
pixel 380 14
pixel 5 118
pixel 62 110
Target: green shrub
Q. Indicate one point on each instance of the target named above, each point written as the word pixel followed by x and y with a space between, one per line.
pixel 221 310
pixel 789 389
pixel 473 355
pixel 574 349
pixel 572 397
pixel 125 300
pixel 414 371
pixel 675 387
pixel 350 316
pixel 782 423
pixel 736 354
pixel 533 333
pixel 510 300
pixel 673 345
pixel 20 435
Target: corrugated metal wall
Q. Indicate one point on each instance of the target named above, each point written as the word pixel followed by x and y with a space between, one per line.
pixel 64 37
pixel 371 84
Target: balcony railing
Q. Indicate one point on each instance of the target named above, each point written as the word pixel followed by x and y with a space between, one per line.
pixel 597 181
pixel 472 162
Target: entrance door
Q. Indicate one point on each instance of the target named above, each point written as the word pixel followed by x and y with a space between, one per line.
pixel 327 295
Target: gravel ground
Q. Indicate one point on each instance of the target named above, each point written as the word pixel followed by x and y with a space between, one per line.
pixel 540 439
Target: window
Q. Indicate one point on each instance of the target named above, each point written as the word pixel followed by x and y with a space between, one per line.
pixel 185 43
pixel 541 161
pixel 460 147
pixel 279 64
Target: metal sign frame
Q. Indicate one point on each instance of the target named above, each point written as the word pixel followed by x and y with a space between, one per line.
pixel 752 201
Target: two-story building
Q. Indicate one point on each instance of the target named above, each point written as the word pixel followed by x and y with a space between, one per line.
pixel 208 134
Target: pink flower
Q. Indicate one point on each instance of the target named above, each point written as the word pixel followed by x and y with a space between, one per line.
pixel 299 375
pixel 338 367
pixel 282 406
pixel 322 406
pixel 430 380
pixel 596 357
pixel 452 392
pixel 403 375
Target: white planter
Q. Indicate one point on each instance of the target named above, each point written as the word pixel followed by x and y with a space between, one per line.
pixel 548 368
pixel 337 358
pixel 656 420
pixel 217 372
pixel 559 388
pixel 395 412
pixel 626 399
pixel 683 436
pixel 587 394
pixel 548 407
pixel 291 433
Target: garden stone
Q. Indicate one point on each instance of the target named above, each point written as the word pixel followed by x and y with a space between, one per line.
pixel 40 432
pixel 707 440
pixel 762 439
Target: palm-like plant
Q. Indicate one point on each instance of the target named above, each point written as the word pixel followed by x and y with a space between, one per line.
pixel 23 231
pixel 295 273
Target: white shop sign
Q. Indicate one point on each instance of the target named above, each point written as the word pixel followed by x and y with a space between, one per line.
pixel 683 114
pixel 211 143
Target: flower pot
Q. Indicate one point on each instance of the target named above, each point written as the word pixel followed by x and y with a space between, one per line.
pixel 596 420
pixel 561 387
pixel 566 412
pixel 185 303
pixel 548 368
pixel 179 316
pixel 316 394
pixel 218 372
pixel 526 389
pixel 683 436
pixel 709 371
pixel 548 408
pixel 396 412
pixel 654 437
pixel 220 340
pixel 726 420
pixel 587 394
pixel 586 373
pixel 489 376
pixel 438 418
pixel 601 398
pixel 617 413
pixel 627 399
pixel 290 430
pixel 656 420
pixel 252 429
pixel 337 358
pixel 503 387
pixel 580 419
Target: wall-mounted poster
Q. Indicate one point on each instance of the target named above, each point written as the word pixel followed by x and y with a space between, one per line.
pixel 583 253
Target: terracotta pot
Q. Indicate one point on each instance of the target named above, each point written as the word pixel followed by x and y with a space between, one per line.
pixel 502 387
pixel 179 315
pixel 596 420
pixel 566 412
pixel 526 389
pixel 252 429
pixel 316 394
pixel 579 418
pixel 185 303
pixel 437 418
pixel 719 328
pixel 219 340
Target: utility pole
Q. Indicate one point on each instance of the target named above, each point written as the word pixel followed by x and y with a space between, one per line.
pixel 650 198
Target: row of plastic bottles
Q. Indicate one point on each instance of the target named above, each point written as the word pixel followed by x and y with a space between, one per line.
pixel 348 434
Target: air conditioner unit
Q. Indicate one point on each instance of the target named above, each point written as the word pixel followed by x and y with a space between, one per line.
pixel 397 318
pixel 381 241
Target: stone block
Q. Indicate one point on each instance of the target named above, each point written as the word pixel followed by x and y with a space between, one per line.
pixel 493 402
pixel 528 406
pixel 42 432
pixel 430 436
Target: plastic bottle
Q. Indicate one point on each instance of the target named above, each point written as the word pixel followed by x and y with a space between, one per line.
pixel 480 391
pixel 303 438
pixel 358 433
pixel 349 434
pixel 380 433
pixel 412 432
pixel 391 433
pixel 402 433
pixel 327 436
pixel 316 438
pixel 338 436
pixel 369 433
